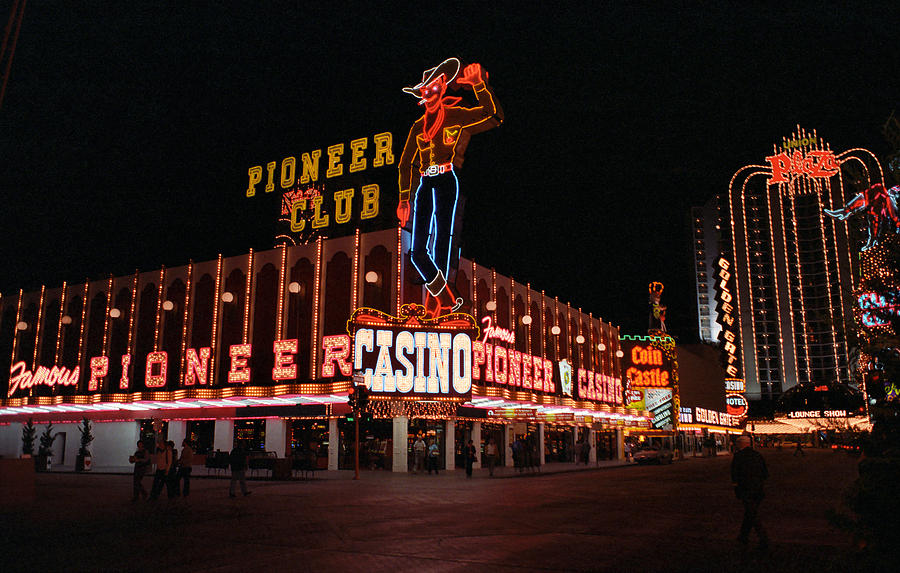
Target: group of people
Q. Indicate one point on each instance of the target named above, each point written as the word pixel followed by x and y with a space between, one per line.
pixel 525 454
pixel 426 455
pixel 172 472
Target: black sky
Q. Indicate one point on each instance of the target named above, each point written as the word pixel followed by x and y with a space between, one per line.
pixel 128 128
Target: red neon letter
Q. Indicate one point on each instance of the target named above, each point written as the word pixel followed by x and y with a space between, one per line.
pixel 240 372
pixel 337 350
pixel 160 359
pixel 285 369
pixel 197 366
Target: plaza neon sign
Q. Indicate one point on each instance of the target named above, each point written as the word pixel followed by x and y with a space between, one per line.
pixel 815 164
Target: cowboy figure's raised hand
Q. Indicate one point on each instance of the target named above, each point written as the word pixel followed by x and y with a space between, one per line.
pixel 471 75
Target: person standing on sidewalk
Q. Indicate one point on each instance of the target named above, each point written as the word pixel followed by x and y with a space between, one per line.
pixel 419 454
pixel 748 474
pixel 433 453
pixel 799 449
pixel 141 461
pixel 185 466
pixel 490 455
pixel 163 464
pixel 238 461
pixel 471 454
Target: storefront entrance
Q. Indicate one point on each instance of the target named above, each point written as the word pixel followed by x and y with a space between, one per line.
pixel 493 431
pixel 375 444
pixel 606 445
pixel 309 441
pixel 432 431
pixel 559 443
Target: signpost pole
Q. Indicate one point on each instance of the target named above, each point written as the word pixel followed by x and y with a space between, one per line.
pixel 356 448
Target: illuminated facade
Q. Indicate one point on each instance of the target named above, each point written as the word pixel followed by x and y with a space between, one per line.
pixel 256 347
pixel 783 271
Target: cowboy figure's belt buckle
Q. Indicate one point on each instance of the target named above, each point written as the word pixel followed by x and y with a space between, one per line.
pixel 433 170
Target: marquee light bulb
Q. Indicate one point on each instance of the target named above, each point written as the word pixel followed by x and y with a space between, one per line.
pixel 579 339
pixel 66 319
pixel 294 288
pixel 619 354
pixel 601 347
pixel 22 325
pixel 555 330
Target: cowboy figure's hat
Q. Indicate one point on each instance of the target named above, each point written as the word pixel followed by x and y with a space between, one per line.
pixel 450 69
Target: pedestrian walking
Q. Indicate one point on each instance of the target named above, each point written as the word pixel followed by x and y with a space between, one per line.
pixel 799 449
pixel 185 465
pixel 238 462
pixel 471 456
pixel 748 474
pixel 490 456
pixel 163 460
pixel 141 461
pixel 628 456
pixel 518 452
pixel 586 450
pixel 419 455
pixel 172 476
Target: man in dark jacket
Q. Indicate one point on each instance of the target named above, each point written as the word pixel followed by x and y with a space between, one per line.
pixel 749 473
pixel 238 462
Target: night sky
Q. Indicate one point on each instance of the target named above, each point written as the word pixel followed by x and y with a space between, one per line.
pixel 128 128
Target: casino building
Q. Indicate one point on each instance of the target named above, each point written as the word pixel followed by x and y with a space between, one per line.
pixel 775 275
pixel 259 348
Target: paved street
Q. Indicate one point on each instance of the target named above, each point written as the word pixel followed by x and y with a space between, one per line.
pixel 682 517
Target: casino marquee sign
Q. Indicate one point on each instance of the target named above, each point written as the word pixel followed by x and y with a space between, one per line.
pixel 412 357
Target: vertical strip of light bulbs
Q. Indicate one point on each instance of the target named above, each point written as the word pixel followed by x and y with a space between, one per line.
pixel 59 325
pixel 37 328
pixel 494 294
pixel 528 312
pixel 544 331
pixel 556 323
pixel 834 225
pixel 106 319
pixel 512 307
pixel 313 364
pixel 790 295
pixel 399 256
pixel 777 321
pixel 159 301
pixel 18 320
pixel 184 323
pixel 282 293
pixel 82 336
pixel 475 294
pixel 131 322
pixel 248 293
pixel 217 302
pixel 801 297
pixel 754 357
pixel 831 302
pixel 356 278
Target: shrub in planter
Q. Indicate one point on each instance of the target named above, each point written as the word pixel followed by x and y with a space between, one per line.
pixel 28 434
pixel 45 451
pixel 83 459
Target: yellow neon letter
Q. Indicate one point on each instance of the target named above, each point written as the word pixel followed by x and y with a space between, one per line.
pixel 335 167
pixel 319 219
pixel 357 161
pixel 288 172
pixel 383 155
pixel 255 174
pixel 297 224
pixel 343 204
pixel 370 194
pixel 310 167
pixel 270 167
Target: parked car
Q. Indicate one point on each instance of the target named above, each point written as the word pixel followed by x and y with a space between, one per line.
pixel 653 455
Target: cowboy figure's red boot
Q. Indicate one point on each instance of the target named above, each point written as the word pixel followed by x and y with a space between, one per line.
pixel 441 300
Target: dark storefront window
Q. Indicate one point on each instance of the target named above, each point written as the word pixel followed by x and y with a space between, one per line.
pixel 251 434
pixel 375 444
pixel 558 444
pixel 200 434
pixel 310 436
